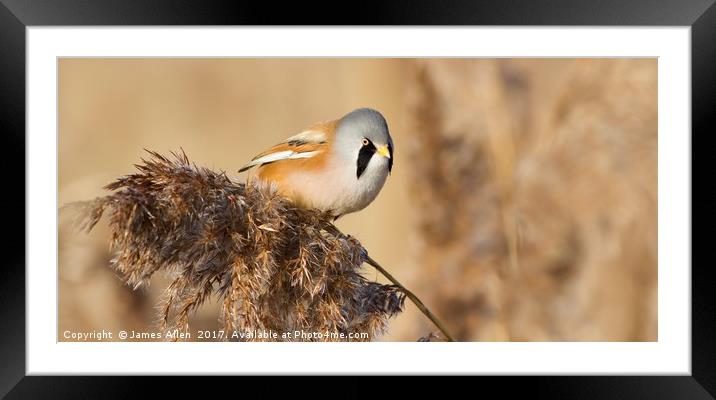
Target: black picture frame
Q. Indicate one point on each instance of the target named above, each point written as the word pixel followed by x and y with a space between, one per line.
pixel 16 15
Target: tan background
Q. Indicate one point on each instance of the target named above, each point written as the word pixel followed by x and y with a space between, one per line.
pixel 565 146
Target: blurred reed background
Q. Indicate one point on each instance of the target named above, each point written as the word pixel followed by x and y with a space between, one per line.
pixel 522 205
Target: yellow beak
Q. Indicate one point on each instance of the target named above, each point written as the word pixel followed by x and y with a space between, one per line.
pixel 383 151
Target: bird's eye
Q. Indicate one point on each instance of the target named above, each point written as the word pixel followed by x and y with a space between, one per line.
pixel 365 142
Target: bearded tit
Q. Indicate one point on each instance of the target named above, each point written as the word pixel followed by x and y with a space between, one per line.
pixel 338 166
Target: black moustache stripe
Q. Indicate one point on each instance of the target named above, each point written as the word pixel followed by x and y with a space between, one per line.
pixel 364 156
pixel 390 160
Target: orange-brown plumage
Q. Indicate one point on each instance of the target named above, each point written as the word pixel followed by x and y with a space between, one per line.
pixel 278 171
pixel 328 129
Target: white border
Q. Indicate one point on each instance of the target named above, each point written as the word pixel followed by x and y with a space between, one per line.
pixel 671 354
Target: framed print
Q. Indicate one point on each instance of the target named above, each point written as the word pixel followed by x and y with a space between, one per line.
pixel 508 195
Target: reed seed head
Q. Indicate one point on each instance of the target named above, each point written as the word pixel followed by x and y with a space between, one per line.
pixel 271 265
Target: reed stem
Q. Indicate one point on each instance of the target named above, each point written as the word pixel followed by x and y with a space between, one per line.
pixel 412 297
pixel 332 228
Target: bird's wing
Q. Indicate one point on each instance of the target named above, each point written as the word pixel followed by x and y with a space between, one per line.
pixel 303 145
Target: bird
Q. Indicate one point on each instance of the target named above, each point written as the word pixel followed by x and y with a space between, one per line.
pixel 337 166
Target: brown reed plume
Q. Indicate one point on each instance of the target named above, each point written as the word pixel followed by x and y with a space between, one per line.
pixel 272 266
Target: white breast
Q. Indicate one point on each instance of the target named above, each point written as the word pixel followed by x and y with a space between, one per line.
pixel 336 188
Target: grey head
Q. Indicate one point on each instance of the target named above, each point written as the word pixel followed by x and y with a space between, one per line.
pixel 363 137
